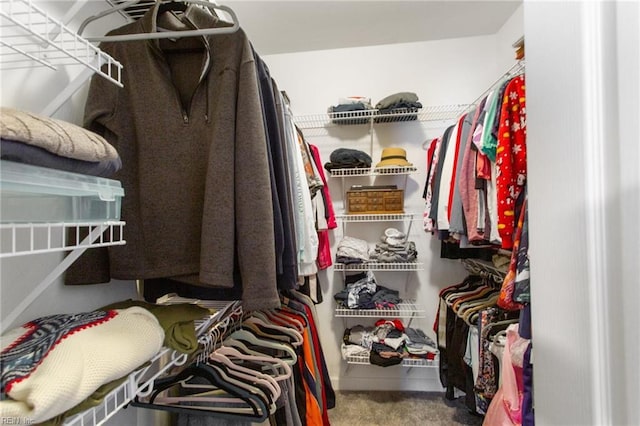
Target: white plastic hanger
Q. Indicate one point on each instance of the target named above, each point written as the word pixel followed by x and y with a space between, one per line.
pixel 164 34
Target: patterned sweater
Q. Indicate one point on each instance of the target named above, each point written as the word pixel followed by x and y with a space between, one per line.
pixel 53 363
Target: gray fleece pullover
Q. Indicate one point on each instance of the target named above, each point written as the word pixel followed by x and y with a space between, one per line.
pixel 189 128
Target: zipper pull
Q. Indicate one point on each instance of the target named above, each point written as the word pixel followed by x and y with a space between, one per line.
pixel 185 117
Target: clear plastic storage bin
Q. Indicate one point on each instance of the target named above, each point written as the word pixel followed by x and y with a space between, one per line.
pixel 37 194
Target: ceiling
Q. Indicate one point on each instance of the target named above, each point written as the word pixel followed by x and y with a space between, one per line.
pixel 293 26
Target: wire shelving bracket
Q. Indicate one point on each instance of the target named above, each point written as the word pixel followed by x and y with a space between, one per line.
pixel 30 37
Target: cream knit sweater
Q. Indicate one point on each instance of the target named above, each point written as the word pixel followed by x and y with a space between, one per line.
pixel 52 364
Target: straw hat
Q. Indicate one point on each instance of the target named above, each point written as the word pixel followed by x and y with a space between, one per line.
pixel 393 157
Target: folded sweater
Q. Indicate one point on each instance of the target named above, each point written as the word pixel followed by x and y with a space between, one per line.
pixel 53 363
pixel 56 136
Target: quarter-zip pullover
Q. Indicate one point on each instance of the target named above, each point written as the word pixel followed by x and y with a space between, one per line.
pixel 189 128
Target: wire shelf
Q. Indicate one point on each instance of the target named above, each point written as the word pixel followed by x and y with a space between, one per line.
pixel 404 309
pixel 135 11
pixel 112 403
pixel 378 266
pixel 30 37
pixel 34 238
pixel 407 362
pixel 351 118
pixel 381 217
pixel 381 171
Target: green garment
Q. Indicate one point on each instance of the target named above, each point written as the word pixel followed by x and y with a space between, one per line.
pixel 177 321
pixel 489 141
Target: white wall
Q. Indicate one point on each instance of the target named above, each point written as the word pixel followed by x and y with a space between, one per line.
pixel 441 73
pixel 315 80
pixel 510 32
pixel 584 187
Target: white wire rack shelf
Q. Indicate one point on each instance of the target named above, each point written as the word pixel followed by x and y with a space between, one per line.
pixel 380 171
pixel 378 266
pixel 382 217
pixel 404 309
pixel 427 113
pixel 140 381
pixel 30 37
pixel 35 238
pixel 407 362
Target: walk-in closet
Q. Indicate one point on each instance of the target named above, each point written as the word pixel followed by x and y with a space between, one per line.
pixel 298 213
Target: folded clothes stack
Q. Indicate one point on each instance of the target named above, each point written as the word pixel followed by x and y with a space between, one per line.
pixel 401 102
pixel 46 142
pixel 387 343
pixel 362 292
pixel 346 158
pixel 352 250
pixel 394 248
pixel 351 110
pixel 420 345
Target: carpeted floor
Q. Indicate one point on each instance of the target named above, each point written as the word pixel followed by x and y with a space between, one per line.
pixel 356 408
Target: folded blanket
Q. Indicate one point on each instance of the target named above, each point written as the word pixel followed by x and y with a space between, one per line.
pixel 56 136
pixel 21 152
pixel 53 363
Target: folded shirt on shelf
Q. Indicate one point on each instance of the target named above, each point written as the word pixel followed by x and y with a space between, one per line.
pixel 401 107
pixel 398 103
pixel 21 152
pixel 355 100
pixel 352 250
pixel 56 136
pixel 353 350
pixel 419 344
pixel 394 254
pixel 347 158
pixel 362 292
pixel 350 107
pixel 399 100
pixel 351 110
pixel 393 247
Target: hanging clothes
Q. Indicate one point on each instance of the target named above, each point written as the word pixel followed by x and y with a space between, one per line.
pixel 511 157
pixel 506 407
pixel 475 175
pixel 191 206
pixel 325 216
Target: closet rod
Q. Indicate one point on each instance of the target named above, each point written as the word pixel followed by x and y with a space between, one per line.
pixel 163 34
pixel 515 69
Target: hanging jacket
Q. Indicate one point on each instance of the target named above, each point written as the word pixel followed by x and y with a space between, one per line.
pixel 195 170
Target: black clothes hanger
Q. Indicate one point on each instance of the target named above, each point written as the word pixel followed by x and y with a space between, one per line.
pixel 213 377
